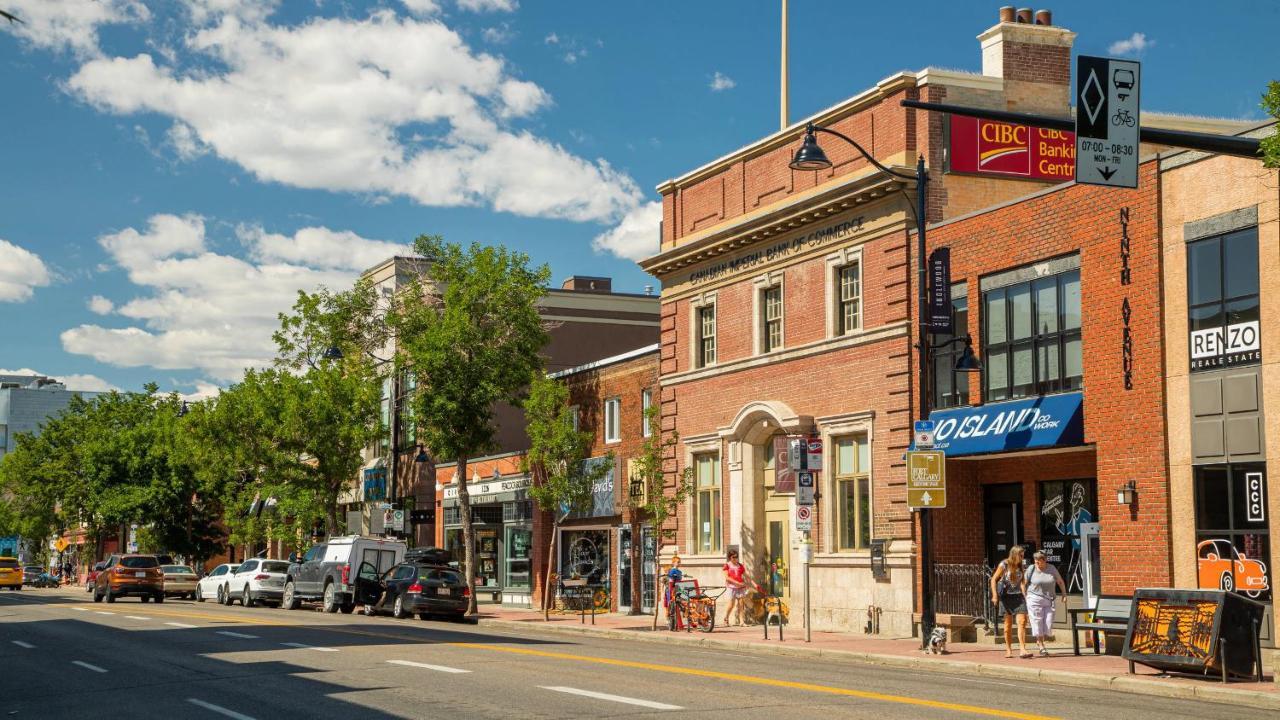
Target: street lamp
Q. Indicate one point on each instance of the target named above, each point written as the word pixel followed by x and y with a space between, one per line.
pixel 810 156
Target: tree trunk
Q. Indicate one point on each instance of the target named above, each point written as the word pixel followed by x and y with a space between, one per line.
pixel 657 577
pixel 547 599
pixel 637 567
pixel 333 519
pixel 468 533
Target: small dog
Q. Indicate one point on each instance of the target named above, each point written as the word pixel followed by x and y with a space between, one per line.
pixel 938 642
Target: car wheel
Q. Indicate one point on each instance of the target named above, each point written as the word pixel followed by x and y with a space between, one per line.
pixel 198 595
pixel 221 599
pixel 111 597
pixel 145 598
pixel 1228 582
pixel 398 610
pixel 1253 593
pixel 159 598
pixel 330 598
pixel 97 597
pixel 348 608
pixel 424 616
pixel 245 598
pixel 290 602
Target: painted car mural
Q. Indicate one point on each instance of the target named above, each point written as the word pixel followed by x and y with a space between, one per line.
pixel 1221 566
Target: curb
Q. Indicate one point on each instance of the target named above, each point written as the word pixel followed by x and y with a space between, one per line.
pixel 1118 683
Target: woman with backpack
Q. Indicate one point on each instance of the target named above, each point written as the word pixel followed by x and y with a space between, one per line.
pixel 1007 592
pixel 1040 582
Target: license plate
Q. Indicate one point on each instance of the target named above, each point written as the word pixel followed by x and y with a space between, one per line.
pixel 444 591
pixel 139 574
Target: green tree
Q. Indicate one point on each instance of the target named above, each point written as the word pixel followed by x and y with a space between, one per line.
pixel 558 461
pixel 471 334
pixel 654 492
pixel 1271 145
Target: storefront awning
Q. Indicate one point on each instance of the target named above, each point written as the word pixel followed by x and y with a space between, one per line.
pixel 1035 422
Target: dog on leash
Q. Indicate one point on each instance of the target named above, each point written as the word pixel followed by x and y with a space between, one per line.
pixel 937 641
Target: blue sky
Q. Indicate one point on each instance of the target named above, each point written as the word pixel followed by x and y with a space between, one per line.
pixel 173 172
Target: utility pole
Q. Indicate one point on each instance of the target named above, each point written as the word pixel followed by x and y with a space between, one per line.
pixel 784 99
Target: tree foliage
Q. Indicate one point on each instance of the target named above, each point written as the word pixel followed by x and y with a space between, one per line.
pixel 1271 145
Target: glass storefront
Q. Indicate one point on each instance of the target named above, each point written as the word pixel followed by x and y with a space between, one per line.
pixel 519 560
pixel 584 555
pixel 1233 536
pixel 503 545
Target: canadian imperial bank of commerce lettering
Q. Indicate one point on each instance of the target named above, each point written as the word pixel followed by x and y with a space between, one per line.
pixel 777 251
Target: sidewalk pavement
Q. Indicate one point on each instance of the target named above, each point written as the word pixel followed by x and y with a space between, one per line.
pixel 985 657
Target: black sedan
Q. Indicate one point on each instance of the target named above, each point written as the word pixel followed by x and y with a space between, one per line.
pixel 412 588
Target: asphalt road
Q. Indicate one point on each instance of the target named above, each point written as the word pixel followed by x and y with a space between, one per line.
pixel 63 656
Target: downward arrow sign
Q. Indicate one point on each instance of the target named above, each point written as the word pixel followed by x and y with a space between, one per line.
pixel 1106 172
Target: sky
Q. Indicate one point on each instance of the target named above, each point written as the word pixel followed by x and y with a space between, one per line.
pixel 172 173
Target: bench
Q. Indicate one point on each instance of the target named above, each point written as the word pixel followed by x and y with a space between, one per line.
pixel 1110 615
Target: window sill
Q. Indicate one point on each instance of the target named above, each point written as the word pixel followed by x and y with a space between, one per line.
pixel 614 441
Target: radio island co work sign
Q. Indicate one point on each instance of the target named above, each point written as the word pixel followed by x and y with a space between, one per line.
pixel 1042 421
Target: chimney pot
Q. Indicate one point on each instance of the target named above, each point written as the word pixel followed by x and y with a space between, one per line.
pixel 1024 15
pixel 1044 17
pixel 1008 14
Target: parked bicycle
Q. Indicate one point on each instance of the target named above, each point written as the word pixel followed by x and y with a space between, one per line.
pixel 692 606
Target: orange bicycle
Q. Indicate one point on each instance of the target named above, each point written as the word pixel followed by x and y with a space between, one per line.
pixel 692 606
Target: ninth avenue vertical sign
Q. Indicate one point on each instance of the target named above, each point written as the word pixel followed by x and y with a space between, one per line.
pixel 940 290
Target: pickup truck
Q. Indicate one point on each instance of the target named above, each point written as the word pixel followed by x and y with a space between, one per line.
pixel 330 572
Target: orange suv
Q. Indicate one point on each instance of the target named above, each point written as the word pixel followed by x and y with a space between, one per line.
pixel 130 575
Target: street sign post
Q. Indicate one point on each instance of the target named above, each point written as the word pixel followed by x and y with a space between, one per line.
pixel 1107 121
pixel 804 518
pixel 926 480
pixel 796 453
pixel 813 453
pixel 804 487
pixel 923 434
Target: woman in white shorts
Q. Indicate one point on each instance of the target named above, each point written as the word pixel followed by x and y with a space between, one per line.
pixel 1039 584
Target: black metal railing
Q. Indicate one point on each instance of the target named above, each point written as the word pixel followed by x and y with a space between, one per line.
pixel 961 589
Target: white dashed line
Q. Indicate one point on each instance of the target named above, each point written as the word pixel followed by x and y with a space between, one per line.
pixel 438 668
pixel 180 625
pixel 301 646
pixel 228 633
pixel 137 617
pixel 613 698
pixel 21 644
pixel 87 666
pixel 103 612
pixel 80 609
pixel 218 709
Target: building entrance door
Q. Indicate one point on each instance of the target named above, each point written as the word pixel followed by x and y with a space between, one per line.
pixel 1002 510
pixel 778 553
pixel 625 559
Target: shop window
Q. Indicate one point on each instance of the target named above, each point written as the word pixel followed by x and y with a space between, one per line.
pixel 849 303
pixel 951 387
pixel 1233 548
pixel 707 503
pixel 706 336
pixel 771 330
pixel 646 402
pixel 853 491
pixel 384 442
pixel 612 427
pixel 1031 337
pixel 1065 505
pixel 1222 300
pixel 519 560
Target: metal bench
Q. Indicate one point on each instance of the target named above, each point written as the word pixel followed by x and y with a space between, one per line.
pixel 1110 615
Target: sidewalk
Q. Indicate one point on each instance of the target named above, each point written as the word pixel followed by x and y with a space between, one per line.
pixel 1062 667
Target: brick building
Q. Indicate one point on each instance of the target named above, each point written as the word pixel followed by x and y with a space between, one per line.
pixel 788 305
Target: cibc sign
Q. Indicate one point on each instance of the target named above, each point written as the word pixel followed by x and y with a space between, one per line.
pixel 988 147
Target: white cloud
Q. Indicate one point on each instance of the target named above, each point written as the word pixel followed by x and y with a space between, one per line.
pixel 99 305
pixel 209 311
pixel 70 25
pixel 488 5
pixel 422 8
pixel 74 381
pixel 335 104
pixel 21 272
pixel 1135 44
pixel 551 39
pixel 203 391
pixel 636 237
pixel 720 82
pixel 499 34
pixel 185 142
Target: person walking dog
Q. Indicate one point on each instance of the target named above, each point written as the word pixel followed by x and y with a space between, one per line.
pixel 735 579
pixel 1007 584
pixel 1041 580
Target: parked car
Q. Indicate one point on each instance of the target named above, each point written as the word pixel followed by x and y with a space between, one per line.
pixel 10 573
pixel 91 580
pixel 126 575
pixel 179 581
pixel 327 572
pixel 210 586
pixel 419 589
pixel 31 573
pixel 256 580
pixel 428 556
pixel 1220 565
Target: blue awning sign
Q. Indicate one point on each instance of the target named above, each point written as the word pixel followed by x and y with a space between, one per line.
pixel 1035 422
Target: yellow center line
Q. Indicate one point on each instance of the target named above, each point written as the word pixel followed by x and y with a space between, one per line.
pixel 654 667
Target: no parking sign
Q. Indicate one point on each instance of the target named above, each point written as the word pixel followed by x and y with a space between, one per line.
pixel 804 518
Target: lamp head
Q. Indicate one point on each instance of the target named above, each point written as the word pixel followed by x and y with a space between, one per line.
pixel 810 155
pixel 968 362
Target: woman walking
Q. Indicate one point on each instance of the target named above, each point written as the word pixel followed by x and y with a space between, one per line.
pixel 735 579
pixel 1040 583
pixel 1007 592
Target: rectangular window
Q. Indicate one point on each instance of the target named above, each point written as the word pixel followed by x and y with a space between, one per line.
pixel 384 442
pixel 1233 536
pixel 612 426
pixel 707 518
pixel 706 336
pixel 853 491
pixel 1031 338
pixel 951 388
pixel 646 401
pixel 1222 300
pixel 849 305
pixel 771 333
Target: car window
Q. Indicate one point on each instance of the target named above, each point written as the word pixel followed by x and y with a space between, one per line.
pixel 404 572
pixel 218 571
pixel 139 561
pixel 247 566
pixel 275 566
pixel 368 571
pixel 447 576
pixel 8 564
pixel 178 570
pixel 314 553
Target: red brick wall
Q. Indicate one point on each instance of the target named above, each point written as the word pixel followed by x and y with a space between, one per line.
pixel 1126 426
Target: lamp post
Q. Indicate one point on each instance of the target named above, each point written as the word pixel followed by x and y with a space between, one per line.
pixel 810 156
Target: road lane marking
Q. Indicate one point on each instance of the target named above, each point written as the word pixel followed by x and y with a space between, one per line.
pixel 180 625
pixel 303 646
pixel 103 612
pixel 87 666
pixel 218 709
pixel 425 666
pixel 244 636
pixel 137 617
pixel 613 698
pixel 80 609
pixel 21 644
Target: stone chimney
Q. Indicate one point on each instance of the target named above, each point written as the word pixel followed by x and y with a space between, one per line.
pixel 1033 56
pixel 584 283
